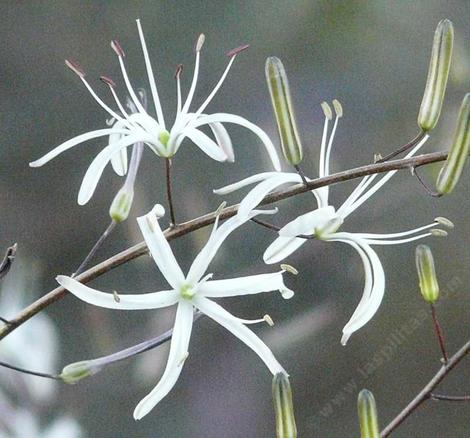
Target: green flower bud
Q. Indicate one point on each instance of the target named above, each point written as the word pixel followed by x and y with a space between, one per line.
pixel 121 205
pixel 283 110
pixel 427 274
pixel 283 407
pixel 74 372
pixel 450 173
pixel 367 411
pixel 438 73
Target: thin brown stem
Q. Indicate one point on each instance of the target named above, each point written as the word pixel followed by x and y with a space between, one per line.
pixel 439 397
pixel 426 187
pixel 26 371
pixel 404 148
pixel 168 164
pixel 207 219
pixel 276 228
pixel 95 248
pixel 440 334
pixel 424 394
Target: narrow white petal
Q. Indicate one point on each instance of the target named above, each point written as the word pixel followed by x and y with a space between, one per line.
pixel 75 141
pixel 223 140
pixel 281 248
pixel 237 120
pixel 395 235
pixel 153 300
pixel 178 352
pixel 206 144
pixel 306 223
pixel 257 194
pixel 160 248
pixel 119 162
pixel 130 89
pixel 244 182
pixel 253 284
pixel 321 166
pixel 217 237
pixel 153 85
pixel 224 318
pixel 374 287
pixel 396 241
pixel 96 168
pixel 192 88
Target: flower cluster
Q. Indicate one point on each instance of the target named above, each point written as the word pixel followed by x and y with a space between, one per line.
pixel 193 293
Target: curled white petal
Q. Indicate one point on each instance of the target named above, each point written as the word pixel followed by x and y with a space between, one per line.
pixel 282 248
pixel 245 182
pixel 306 223
pixel 237 120
pixel 252 284
pixel 232 324
pixel 178 353
pixel 223 140
pixel 160 248
pixel 153 300
pixel 96 168
pixel 75 141
pixel 206 144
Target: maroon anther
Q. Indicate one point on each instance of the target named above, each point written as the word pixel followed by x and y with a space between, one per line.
pixel 75 67
pixel 117 48
pixel 178 71
pixel 108 81
pixel 237 50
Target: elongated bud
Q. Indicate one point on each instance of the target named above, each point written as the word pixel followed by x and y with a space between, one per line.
pixel 283 110
pixel 283 407
pixel 438 73
pixel 367 411
pixel 450 173
pixel 77 371
pixel 121 205
pixel 427 274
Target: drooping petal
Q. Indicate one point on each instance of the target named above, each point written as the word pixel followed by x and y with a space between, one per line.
pixel 374 287
pixel 223 140
pixel 153 300
pixel 217 237
pixel 178 354
pixel 256 195
pixel 96 168
pixel 308 222
pixel 282 248
pixel 75 141
pixel 252 284
pixel 224 318
pixel 206 144
pixel 231 118
pixel 159 247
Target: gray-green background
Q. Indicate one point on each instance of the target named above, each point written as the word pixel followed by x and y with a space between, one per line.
pixel 373 57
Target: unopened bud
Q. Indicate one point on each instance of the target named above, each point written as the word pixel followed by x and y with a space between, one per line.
pixel 77 371
pixel 121 205
pixel 427 274
pixel 283 407
pixel 438 73
pixel 367 411
pixel 282 105
pixel 450 173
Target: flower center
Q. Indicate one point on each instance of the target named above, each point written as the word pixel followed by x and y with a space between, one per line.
pixel 329 227
pixel 163 137
pixel 187 291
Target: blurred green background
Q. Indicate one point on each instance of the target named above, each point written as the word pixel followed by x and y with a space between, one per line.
pixel 373 57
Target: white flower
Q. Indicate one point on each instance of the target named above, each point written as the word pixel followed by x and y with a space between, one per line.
pixel 129 129
pixel 324 222
pixel 194 290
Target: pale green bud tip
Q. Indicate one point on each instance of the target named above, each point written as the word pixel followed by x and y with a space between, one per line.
pixel 163 137
pixel 367 411
pixel 283 407
pixel 452 170
pixel 427 274
pixel 74 372
pixel 121 205
pixel 438 73
pixel 283 110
